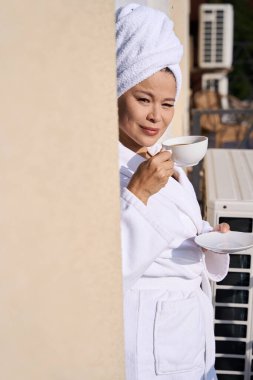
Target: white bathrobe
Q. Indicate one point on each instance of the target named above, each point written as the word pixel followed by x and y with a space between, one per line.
pixel 168 313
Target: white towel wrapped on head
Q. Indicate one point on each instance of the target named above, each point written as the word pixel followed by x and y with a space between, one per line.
pixel 146 43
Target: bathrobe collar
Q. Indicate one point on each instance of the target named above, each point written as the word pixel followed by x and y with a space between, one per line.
pixel 129 160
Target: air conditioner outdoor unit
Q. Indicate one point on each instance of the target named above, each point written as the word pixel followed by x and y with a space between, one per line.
pixel 216 35
pixel 229 198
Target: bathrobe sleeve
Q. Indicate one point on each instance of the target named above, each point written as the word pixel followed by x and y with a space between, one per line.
pixel 143 240
pixel 216 264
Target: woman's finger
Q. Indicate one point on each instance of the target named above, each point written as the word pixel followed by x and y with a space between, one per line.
pixel 161 157
pixel 222 227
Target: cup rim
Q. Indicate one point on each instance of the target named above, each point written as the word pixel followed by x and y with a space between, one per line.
pixel 176 140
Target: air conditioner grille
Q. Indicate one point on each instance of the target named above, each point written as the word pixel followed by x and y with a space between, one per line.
pixel 216 35
pixel 208 40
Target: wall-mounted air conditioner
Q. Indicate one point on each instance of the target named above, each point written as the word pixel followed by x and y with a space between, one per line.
pixel 216 22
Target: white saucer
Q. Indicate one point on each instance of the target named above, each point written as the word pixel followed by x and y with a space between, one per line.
pixel 228 242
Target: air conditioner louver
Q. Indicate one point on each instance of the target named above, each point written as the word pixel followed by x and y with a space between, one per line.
pixel 215 35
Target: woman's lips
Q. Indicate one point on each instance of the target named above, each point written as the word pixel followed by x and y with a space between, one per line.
pixel 150 131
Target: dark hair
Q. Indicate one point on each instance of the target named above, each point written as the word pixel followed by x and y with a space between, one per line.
pixel 167 70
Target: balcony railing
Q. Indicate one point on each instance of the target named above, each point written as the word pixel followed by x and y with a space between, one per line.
pixel 246 142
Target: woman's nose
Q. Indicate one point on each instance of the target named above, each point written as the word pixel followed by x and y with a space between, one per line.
pixel 154 115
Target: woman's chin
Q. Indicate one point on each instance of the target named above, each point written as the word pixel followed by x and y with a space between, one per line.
pixel 135 144
pixel 149 140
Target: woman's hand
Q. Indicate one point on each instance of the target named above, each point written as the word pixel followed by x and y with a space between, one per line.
pixel 223 227
pixel 151 176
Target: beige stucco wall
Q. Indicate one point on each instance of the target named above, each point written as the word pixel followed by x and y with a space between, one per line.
pixel 60 276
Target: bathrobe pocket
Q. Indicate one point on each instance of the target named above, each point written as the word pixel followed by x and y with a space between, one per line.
pixel 179 336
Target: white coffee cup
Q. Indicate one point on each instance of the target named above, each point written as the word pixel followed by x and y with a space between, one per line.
pixel 187 150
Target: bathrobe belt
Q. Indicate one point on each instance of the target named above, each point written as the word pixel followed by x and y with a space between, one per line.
pixel 169 283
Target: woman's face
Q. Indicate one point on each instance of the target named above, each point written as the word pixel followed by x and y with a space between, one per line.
pixel 146 110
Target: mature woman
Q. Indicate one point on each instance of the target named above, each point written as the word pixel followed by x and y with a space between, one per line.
pixel 167 308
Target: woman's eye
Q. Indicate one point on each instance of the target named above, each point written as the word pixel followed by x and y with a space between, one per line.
pixel 167 105
pixel 144 100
